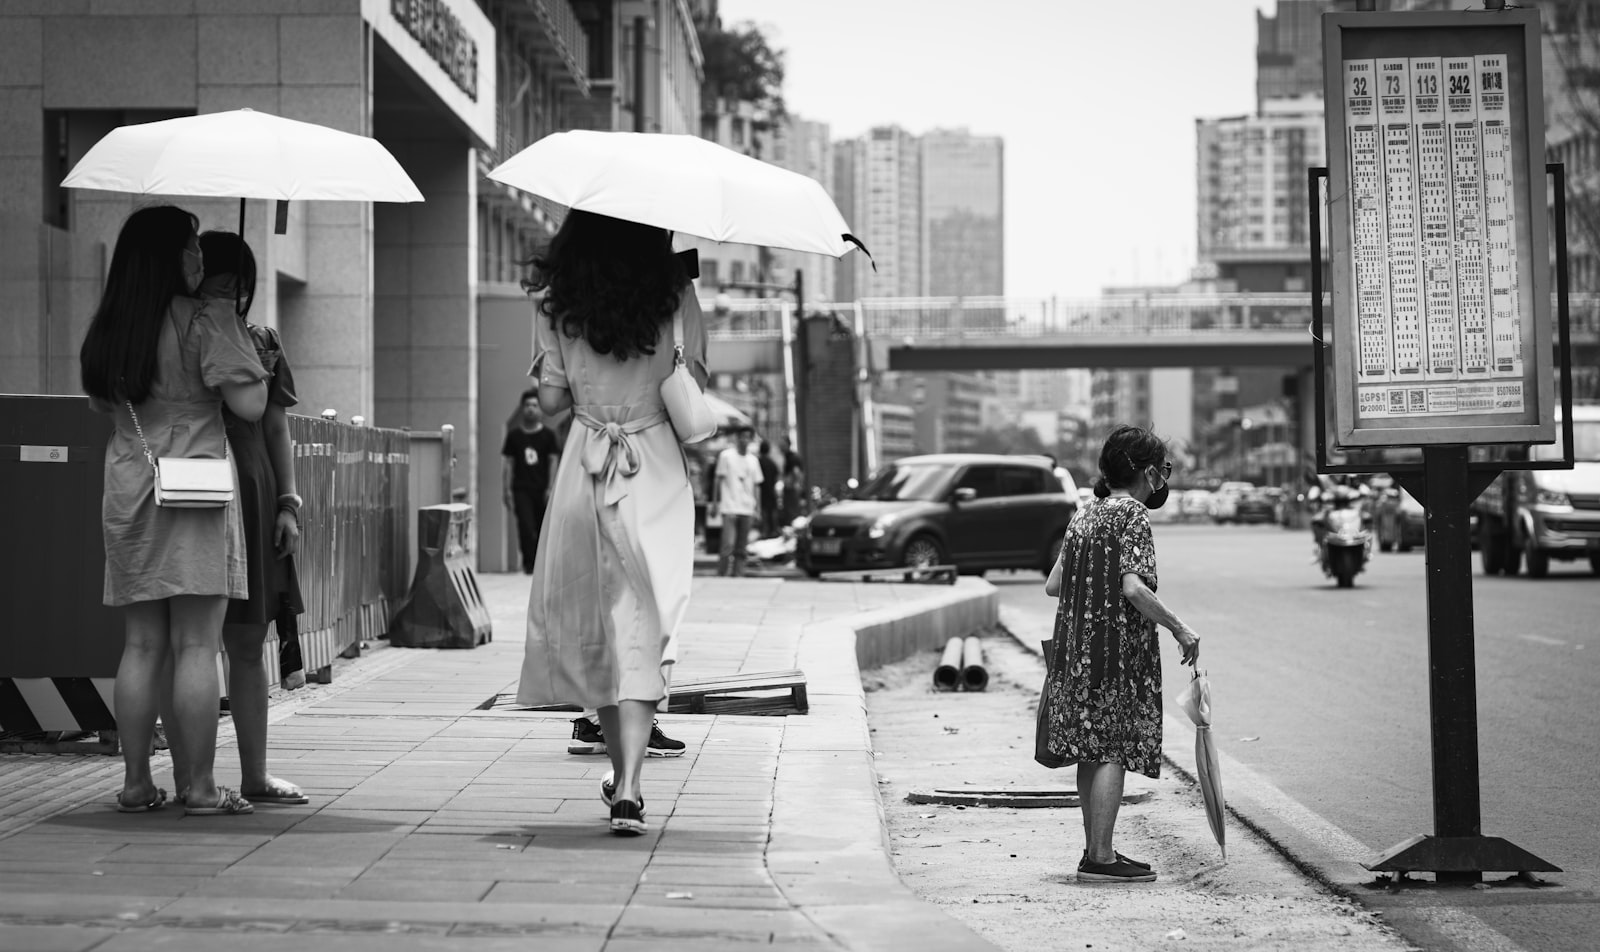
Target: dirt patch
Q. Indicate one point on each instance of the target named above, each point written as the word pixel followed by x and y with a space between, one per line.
pixel 1009 873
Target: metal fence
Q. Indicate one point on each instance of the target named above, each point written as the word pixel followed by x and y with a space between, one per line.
pixel 59 651
pixel 354 532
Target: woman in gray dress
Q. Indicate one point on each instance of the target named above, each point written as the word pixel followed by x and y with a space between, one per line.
pixel 611 581
pixel 163 363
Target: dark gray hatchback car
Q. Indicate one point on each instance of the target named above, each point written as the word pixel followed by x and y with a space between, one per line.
pixel 974 511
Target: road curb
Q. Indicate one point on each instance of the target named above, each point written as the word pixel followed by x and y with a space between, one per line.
pixel 829 849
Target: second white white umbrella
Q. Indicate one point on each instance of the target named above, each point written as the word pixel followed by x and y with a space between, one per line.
pixel 682 183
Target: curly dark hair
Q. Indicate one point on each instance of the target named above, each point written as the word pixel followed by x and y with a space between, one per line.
pixel 611 282
pixel 1127 450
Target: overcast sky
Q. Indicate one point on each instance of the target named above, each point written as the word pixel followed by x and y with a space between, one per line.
pixel 1096 103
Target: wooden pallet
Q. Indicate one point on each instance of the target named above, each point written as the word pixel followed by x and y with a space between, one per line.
pixel 731 694
pixel 925 575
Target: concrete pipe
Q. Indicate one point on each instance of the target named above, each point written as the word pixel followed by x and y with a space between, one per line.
pixel 947 676
pixel 974 676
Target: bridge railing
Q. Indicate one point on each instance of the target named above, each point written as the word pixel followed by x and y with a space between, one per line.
pixel 994 317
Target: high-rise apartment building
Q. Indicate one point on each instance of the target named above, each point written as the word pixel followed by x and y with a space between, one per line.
pixel 878 187
pixel 963 214
pixel 1289 49
pixel 802 145
pixel 1250 195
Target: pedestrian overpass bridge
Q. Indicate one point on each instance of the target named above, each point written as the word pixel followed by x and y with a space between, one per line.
pixel 1115 332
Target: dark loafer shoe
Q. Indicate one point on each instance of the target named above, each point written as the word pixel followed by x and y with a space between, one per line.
pixel 1119 872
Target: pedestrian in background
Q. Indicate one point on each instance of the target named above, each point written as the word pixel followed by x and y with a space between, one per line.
pixel 735 500
pixel 1101 703
pixel 794 476
pixel 616 561
pixel 531 451
pixel 263 455
pixel 163 363
pixel 771 518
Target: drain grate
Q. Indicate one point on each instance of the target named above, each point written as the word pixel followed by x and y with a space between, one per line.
pixel 1016 799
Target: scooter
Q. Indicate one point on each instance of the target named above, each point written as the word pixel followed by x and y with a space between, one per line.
pixel 1343 536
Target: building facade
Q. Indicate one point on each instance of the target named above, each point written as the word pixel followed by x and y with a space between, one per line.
pixel 878 188
pixel 963 214
pixel 1252 211
pixel 407 315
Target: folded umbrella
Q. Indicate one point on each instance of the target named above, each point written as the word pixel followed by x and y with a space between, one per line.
pixel 682 183
pixel 1195 699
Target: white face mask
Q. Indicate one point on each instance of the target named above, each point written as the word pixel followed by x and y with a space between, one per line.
pixel 194 269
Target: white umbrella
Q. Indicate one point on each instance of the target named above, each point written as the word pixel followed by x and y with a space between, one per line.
pixel 243 154
pixel 682 183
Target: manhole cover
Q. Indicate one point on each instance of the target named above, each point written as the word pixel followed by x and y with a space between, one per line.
pixel 1017 799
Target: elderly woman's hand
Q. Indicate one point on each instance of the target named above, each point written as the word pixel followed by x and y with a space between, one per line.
pixel 1188 642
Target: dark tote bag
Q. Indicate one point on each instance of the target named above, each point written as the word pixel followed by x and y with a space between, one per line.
pixel 1041 731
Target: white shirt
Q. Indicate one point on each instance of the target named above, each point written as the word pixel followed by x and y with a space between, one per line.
pixel 738 474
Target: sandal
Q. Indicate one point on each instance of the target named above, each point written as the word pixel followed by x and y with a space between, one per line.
pixel 278 792
pixel 229 803
pixel 156 802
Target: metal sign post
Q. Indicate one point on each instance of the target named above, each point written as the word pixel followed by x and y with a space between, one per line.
pixel 1442 331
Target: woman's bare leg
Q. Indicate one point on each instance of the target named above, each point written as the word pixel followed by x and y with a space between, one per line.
pixel 247 701
pixel 137 693
pixel 1100 793
pixel 196 630
pixel 627 730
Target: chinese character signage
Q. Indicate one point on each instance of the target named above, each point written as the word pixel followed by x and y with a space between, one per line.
pixel 1437 192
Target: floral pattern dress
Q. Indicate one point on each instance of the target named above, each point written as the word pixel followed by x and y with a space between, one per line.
pixel 1101 701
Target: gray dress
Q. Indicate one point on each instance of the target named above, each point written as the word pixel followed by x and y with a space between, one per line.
pixel 154 553
pixel 616 558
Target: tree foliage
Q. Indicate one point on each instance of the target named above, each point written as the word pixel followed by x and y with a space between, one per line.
pixel 740 65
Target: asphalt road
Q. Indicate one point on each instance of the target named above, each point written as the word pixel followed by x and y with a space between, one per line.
pixel 1330 686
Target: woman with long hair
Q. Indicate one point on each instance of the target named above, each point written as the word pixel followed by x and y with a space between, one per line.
pixel 263 453
pixel 163 364
pixel 1101 703
pixel 611 582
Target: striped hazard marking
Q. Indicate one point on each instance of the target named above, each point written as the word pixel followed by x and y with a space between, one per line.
pixel 56 704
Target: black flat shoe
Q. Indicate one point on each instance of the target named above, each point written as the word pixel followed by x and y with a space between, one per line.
pixel 627 819
pixel 1120 858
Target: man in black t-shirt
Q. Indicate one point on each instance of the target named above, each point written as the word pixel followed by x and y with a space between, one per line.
pixel 531 451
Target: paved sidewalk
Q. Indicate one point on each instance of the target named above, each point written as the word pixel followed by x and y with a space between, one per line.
pixel 436 825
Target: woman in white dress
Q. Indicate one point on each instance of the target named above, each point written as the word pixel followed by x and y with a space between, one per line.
pixel 611 581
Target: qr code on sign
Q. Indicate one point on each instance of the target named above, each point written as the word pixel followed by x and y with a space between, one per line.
pixel 1419 401
pixel 1397 401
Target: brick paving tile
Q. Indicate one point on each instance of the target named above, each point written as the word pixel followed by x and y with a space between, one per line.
pixel 438 826
pixel 47 939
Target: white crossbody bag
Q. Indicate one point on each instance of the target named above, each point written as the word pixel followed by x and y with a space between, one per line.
pixel 184 482
pixel 692 417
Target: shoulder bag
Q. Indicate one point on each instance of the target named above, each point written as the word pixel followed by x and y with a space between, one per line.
pixel 188 482
pixel 692 417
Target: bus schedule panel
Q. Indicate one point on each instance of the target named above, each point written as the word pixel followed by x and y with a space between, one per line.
pixel 1441 304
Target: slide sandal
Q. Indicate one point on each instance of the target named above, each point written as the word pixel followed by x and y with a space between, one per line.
pixel 229 803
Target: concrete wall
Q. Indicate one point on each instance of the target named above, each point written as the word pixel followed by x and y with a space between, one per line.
pixel 425 312
pixel 132 62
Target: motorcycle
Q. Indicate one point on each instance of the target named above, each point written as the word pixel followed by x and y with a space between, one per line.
pixel 1343 536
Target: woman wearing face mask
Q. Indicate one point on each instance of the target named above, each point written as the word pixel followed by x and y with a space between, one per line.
pixel 163 364
pixel 1101 704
